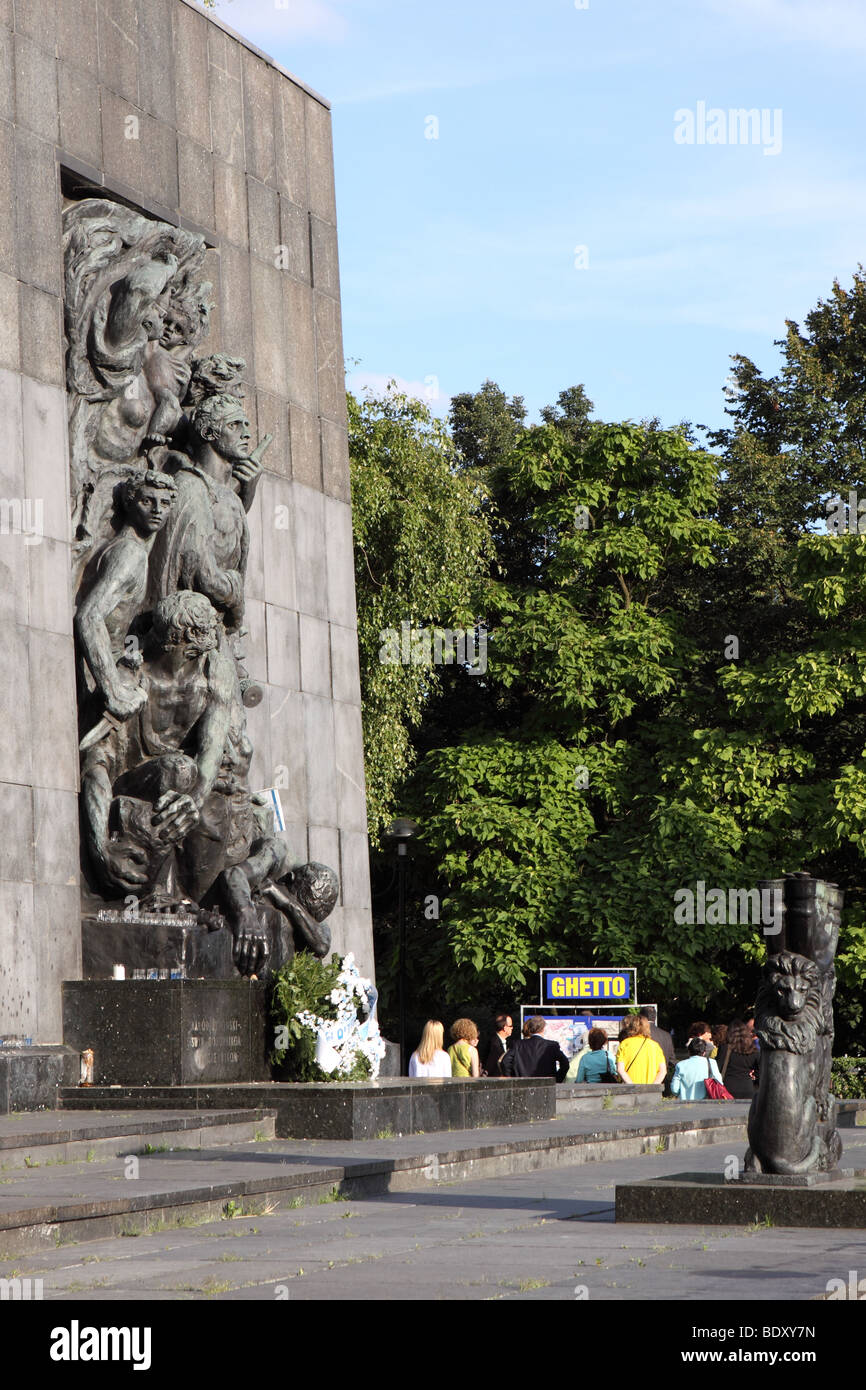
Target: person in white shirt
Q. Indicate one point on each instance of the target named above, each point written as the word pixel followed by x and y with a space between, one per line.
pixel 430 1059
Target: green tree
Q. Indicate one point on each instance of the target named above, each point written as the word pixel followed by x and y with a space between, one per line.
pixel 486 425
pixel 421 543
pixel 548 833
pixel 812 413
pixel 676 688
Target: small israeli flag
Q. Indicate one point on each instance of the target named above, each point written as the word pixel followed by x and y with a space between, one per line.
pixel 276 807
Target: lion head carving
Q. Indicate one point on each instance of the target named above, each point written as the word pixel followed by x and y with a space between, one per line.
pixel 788 1007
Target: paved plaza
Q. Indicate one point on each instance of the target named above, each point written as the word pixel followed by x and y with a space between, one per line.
pixel 545 1234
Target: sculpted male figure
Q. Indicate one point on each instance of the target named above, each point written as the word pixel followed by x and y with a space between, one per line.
pixel 272 908
pixel 206 545
pixel 118 584
pixel 145 782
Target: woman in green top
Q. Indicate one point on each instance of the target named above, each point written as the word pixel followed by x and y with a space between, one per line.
pixel 464 1050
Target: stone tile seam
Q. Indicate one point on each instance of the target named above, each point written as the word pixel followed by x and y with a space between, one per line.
pixel 217 23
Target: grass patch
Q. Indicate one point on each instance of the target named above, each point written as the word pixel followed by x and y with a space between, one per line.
pixel 762 1223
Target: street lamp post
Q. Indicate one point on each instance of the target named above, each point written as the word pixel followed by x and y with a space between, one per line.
pixel 399 833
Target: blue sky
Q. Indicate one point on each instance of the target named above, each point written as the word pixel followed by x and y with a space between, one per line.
pixel 556 131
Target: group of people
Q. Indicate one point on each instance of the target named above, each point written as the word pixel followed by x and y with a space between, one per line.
pixel 646 1056
pixel 728 1054
pixel 533 1055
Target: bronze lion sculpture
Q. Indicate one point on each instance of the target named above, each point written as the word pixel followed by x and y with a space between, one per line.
pixel 783 1119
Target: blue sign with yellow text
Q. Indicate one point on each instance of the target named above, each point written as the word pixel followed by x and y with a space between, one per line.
pixel 600 986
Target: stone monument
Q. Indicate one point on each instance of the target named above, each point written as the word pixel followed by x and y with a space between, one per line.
pixel 182 770
pixel 791 1174
pixel 792 1120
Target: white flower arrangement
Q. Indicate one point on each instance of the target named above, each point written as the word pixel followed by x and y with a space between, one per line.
pixel 341 1041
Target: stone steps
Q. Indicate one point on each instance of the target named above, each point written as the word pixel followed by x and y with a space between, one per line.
pixel 32 1140
pixel 595 1099
pixel 55 1206
pixel 366 1110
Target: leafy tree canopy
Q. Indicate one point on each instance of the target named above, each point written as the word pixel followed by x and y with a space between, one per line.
pixel 421 541
pixel 675 687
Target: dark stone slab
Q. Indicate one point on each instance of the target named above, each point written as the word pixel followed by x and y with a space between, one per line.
pixel 439 1107
pixel 154 943
pixel 170 1032
pixel 390 1063
pixel 30 1077
pixel 363 1110
pixel 701 1199
pixel 383 1115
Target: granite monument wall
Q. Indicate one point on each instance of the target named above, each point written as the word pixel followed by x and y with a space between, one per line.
pixel 158 105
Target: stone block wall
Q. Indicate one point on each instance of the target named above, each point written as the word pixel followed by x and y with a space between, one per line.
pixel 156 103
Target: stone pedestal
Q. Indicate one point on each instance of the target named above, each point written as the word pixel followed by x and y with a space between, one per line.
pixel 181 947
pixel 169 1032
pixel 835 1199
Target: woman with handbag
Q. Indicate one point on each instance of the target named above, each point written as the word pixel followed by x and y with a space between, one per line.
pixel 689 1081
pixel 597 1064
pixel 639 1060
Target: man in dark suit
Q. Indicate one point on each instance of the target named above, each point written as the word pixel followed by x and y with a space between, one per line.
pixel 534 1055
pixel 498 1045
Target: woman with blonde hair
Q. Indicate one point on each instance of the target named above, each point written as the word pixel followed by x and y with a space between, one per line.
pixel 430 1059
pixel 639 1060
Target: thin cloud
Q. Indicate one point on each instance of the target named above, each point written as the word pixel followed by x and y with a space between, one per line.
pixel 451 78
pixel 361 383
pixel 267 24
pixel 839 25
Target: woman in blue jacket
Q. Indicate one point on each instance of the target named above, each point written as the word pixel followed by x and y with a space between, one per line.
pixel 688 1080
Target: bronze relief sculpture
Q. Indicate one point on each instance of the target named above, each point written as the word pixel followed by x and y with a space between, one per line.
pixel 164 473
